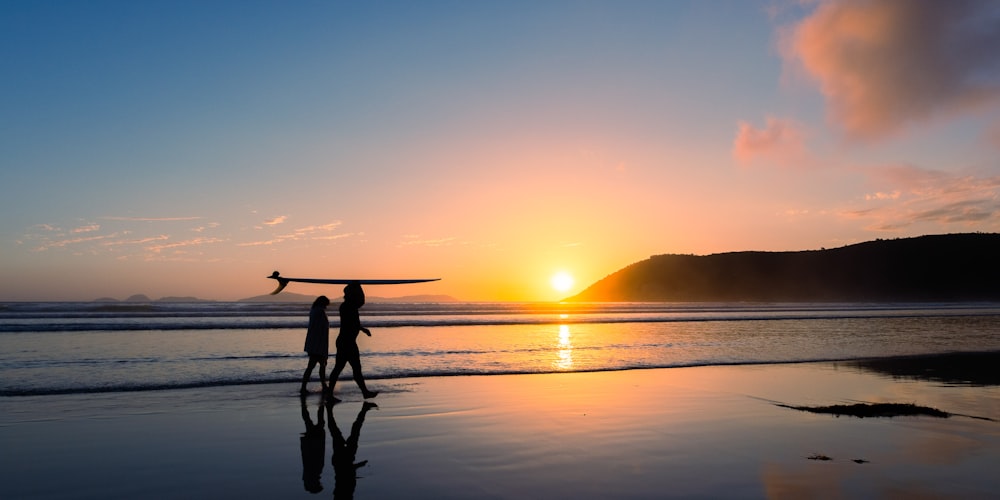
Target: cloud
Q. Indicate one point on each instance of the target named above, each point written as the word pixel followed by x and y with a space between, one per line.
pixel 919 196
pixel 886 64
pixel 416 240
pixel 210 225
pixel 181 244
pixel 71 241
pixel 141 241
pixel 86 229
pixel 276 220
pixel 780 142
pixel 151 219
pixel 302 231
pixel 315 232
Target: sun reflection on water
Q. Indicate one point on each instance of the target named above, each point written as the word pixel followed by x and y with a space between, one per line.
pixel 565 361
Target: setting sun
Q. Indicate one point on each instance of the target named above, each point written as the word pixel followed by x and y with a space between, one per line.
pixel 562 281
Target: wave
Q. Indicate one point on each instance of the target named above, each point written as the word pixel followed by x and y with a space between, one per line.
pixel 59 320
pixel 293 381
pixel 214 322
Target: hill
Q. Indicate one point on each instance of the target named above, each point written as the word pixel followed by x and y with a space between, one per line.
pixel 927 268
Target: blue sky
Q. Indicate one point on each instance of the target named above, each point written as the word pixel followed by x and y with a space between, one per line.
pixel 190 148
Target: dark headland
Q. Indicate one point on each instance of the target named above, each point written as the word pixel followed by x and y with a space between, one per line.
pixel 952 267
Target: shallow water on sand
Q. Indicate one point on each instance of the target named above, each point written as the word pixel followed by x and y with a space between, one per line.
pixel 708 432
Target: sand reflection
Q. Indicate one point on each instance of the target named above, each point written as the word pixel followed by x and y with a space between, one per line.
pixel 313 447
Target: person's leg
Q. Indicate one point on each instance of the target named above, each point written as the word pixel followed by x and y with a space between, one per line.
pixel 308 373
pixel 322 374
pixel 360 378
pixel 338 366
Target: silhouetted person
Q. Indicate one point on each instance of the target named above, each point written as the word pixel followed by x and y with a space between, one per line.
pixel 317 341
pixel 313 447
pixel 347 340
pixel 345 471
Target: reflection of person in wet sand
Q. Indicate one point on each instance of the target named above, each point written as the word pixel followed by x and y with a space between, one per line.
pixel 347 340
pixel 317 341
pixel 313 447
pixel 345 451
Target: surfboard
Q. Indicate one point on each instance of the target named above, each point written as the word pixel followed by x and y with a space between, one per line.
pixel 283 281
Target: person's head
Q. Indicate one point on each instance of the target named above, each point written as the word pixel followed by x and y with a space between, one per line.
pixel 321 301
pixel 353 294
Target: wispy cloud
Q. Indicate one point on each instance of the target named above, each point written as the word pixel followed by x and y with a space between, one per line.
pixel 86 229
pixel 61 243
pixel 276 220
pixel 334 236
pixel 206 227
pixel 313 233
pixel 910 195
pixel 140 241
pixel 325 228
pixel 151 219
pixel 182 244
pixel 416 240
pixel 884 64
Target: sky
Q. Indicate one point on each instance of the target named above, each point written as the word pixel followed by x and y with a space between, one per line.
pixel 175 148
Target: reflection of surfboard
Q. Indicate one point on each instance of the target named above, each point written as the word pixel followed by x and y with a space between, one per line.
pixel 283 281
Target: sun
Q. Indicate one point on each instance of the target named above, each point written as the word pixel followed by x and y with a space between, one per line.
pixel 562 281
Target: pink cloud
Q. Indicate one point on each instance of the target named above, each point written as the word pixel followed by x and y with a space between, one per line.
pixel 884 64
pixel 910 196
pixel 781 142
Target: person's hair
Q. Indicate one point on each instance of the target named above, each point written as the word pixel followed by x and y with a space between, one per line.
pixel 353 293
pixel 321 301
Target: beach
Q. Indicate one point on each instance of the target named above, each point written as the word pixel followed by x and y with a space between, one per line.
pixel 693 432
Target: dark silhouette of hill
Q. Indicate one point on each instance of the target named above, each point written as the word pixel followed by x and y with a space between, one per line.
pixel 926 268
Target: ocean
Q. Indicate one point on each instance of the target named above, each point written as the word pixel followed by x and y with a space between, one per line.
pixel 71 348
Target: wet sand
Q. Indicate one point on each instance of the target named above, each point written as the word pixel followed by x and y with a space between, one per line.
pixel 708 432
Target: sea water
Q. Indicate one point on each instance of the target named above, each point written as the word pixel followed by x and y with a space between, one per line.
pixel 62 348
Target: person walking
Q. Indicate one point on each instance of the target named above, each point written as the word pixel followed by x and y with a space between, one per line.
pixel 317 342
pixel 347 340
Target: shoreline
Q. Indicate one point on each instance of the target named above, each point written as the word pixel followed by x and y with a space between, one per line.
pixel 953 367
pixel 650 433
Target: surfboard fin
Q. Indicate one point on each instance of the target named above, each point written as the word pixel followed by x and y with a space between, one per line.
pixel 282 283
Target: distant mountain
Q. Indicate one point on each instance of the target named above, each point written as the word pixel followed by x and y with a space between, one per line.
pixel 281 297
pixel 415 299
pixel 927 268
pixel 185 299
pixel 140 298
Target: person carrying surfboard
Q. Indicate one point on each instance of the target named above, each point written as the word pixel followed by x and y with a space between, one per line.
pixel 347 340
pixel 317 342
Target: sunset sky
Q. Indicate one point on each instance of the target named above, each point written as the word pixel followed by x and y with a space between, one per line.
pixel 175 148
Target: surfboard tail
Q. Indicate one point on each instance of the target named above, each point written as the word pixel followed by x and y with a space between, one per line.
pixel 282 282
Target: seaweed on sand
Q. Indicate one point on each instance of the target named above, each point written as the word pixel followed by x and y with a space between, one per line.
pixel 875 410
pixel 870 410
